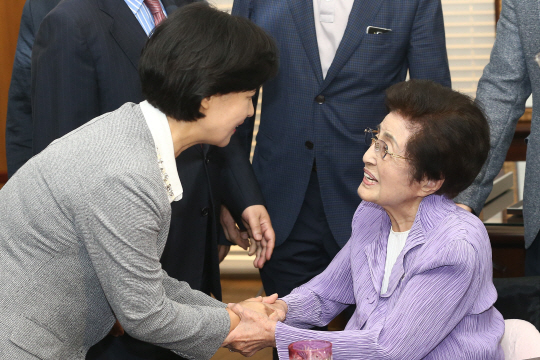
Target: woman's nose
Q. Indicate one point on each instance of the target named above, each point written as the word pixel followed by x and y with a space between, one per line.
pixel 370 156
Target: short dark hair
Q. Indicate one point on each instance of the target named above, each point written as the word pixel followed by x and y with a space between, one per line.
pixel 200 51
pixel 450 138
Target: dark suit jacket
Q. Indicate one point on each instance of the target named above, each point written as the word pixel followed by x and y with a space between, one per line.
pixel 19 114
pixel 305 117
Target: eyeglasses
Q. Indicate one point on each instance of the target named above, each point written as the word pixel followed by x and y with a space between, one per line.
pixel 371 138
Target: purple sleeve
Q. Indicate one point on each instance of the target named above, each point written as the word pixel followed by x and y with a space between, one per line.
pixel 433 302
pixel 320 300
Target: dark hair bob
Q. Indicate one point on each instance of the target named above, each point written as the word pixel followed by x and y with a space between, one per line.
pixel 200 51
pixel 450 138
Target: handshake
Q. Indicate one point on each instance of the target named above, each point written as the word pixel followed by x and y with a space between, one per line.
pixel 253 324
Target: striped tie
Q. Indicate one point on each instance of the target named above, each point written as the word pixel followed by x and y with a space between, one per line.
pixel 155 8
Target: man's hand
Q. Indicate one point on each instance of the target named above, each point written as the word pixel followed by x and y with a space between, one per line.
pixel 223 250
pixel 463 206
pixel 257 222
pixel 254 332
pixel 231 230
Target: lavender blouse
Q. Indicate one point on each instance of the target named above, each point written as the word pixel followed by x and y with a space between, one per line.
pixel 439 303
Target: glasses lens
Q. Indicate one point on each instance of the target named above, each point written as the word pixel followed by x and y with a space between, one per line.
pixel 383 147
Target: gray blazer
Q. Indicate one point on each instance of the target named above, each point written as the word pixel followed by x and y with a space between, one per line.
pixel 508 80
pixel 83 226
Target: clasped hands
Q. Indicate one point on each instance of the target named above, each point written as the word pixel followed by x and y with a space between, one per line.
pixel 253 324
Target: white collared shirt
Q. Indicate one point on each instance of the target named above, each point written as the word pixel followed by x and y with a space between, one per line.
pixel 161 133
pixel 331 18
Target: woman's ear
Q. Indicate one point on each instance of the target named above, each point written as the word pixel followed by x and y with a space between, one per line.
pixel 430 186
pixel 205 104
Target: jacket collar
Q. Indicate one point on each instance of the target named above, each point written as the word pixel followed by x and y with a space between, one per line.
pixel 432 211
pixel 362 14
pixel 124 28
pixel 302 13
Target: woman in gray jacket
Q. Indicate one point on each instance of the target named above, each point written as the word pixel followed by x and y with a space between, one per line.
pixel 83 223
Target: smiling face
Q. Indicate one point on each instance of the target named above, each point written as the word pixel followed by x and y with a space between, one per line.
pixel 387 181
pixel 223 113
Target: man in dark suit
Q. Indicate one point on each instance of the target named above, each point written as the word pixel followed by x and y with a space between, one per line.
pixel 84 64
pixel 336 60
pixel 19 114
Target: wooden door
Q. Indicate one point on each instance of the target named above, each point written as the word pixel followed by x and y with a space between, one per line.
pixel 10 13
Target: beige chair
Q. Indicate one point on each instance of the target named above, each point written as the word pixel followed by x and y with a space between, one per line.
pixel 520 341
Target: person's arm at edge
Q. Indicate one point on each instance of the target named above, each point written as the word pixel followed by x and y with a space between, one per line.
pixel 502 93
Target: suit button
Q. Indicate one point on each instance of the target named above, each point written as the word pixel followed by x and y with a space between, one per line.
pixel 207 160
pixel 309 145
pixel 204 211
pixel 319 99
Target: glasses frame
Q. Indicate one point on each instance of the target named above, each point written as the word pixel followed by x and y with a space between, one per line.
pixel 371 138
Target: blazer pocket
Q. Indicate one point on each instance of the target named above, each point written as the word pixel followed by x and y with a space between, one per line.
pixel 377 39
pixel 37 340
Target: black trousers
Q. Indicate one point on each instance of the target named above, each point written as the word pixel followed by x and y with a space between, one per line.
pixel 532 258
pixel 307 251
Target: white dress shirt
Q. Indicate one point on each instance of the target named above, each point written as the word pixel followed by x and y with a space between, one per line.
pixel 161 133
pixel 331 18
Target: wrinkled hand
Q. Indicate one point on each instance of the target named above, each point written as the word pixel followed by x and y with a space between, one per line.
pixel 117 330
pixel 231 230
pixel 463 206
pixel 257 222
pixel 223 250
pixel 271 302
pixel 267 305
pixel 254 332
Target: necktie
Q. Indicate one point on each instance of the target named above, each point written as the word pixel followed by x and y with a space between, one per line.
pixel 155 8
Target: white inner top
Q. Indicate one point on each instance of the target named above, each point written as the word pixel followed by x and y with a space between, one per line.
pixel 396 243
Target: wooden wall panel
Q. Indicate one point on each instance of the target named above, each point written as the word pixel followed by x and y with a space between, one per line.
pixel 10 13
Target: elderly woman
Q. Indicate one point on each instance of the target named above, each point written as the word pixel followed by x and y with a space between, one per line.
pixel 83 224
pixel 417 267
